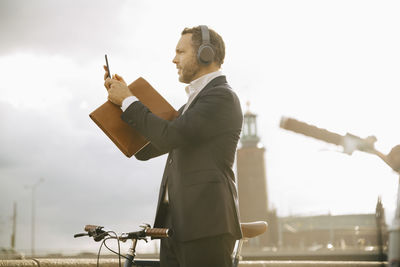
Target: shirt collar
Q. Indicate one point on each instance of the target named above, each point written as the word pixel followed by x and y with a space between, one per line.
pixel 198 84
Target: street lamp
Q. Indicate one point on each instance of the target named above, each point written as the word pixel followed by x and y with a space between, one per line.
pixel 350 143
pixel 33 188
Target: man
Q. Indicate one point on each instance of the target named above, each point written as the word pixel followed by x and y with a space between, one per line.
pixel 198 197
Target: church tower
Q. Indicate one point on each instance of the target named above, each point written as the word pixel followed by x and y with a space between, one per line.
pixel 252 182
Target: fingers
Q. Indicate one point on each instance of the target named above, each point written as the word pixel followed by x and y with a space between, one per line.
pixel 119 78
pixel 107 83
pixel 117 91
pixel 105 74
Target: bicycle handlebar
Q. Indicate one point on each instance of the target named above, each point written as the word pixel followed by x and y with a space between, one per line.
pixel 311 131
pixel 98 233
pixel 349 142
pixel 147 232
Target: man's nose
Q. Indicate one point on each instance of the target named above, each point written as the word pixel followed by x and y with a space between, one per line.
pixel 175 60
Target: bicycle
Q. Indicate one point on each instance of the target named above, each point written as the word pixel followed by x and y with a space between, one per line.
pixel 249 230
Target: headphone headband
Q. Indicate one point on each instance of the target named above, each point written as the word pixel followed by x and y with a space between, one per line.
pixel 205 34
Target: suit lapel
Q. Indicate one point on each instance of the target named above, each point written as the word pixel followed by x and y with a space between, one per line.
pixel 181 110
pixel 213 83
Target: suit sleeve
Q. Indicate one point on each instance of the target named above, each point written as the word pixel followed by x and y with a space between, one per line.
pixel 212 114
pixel 149 152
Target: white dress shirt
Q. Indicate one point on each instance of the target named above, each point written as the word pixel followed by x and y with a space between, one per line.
pixel 128 101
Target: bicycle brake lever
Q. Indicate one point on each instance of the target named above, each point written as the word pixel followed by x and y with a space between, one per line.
pixel 145 226
pixel 99 236
pixel 96 232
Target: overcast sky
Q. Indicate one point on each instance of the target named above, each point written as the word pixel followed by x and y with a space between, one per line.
pixel 334 64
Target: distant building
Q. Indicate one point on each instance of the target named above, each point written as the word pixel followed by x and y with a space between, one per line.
pixel 334 232
pixel 252 183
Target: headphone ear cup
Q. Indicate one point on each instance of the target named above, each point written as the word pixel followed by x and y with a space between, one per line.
pixel 205 54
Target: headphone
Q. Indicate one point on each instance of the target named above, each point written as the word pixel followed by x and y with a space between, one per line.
pixel 206 53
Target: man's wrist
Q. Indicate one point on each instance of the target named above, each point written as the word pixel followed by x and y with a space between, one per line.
pixel 128 101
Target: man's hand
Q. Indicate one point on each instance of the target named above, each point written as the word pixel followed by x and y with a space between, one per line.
pixel 117 88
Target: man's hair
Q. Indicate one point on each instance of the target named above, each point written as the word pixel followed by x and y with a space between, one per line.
pixel 215 40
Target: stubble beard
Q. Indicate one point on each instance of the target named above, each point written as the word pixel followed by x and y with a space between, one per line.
pixel 189 71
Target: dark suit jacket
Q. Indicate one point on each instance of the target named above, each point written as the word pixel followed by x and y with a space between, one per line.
pixel 202 145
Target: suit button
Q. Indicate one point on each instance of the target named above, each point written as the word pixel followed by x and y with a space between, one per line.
pixel 170 161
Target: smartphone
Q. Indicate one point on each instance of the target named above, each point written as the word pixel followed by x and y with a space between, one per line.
pixel 108 68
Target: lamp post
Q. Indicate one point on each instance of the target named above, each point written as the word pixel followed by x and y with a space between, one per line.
pixel 350 143
pixel 14 226
pixel 33 188
pixel 394 236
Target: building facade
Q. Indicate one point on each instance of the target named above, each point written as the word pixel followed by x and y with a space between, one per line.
pixel 252 183
pixel 339 232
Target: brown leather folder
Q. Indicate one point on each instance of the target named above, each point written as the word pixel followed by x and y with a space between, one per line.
pixel 126 138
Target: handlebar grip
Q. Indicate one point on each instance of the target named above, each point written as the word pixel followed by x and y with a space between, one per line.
pixel 79 235
pixel 91 227
pixel 158 232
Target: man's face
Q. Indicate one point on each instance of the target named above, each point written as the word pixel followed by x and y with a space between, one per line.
pixel 185 59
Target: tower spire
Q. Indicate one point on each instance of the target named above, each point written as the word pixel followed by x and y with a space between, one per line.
pixel 249 135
